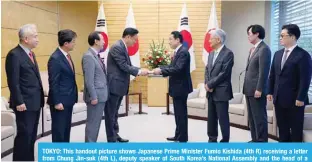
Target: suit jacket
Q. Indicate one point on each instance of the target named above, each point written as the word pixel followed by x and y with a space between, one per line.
pixel 24 80
pixel 119 69
pixel 257 70
pixel 218 75
pixel 292 82
pixel 95 81
pixel 180 82
pixel 62 80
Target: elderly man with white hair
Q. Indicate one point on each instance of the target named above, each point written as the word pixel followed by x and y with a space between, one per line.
pixel 26 92
pixel 218 86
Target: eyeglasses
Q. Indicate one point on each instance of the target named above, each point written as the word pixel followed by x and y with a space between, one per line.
pixel 282 36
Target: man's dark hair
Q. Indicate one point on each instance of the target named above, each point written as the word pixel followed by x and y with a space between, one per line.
pixel 292 30
pixel 257 29
pixel 92 37
pixel 65 35
pixel 130 31
pixel 177 35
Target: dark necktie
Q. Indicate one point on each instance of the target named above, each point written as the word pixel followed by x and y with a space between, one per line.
pixel 102 63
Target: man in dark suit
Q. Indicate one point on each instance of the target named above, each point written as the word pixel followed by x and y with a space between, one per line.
pixel 180 84
pixel 26 92
pixel 218 86
pixel 289 81
pixel 119 69
pixel 63 92
pixel 255 84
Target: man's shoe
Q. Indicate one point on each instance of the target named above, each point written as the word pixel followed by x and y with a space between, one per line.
pixel 171 139
pixel 122 140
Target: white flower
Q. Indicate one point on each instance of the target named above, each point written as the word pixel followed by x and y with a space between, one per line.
pixel 157 56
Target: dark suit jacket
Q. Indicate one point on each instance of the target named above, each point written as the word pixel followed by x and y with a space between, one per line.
pixel 218 75
pixel 24 80
pixel 293 81
pixel 180 82
pixel 119 69
pixel 257 70
pixel 62 80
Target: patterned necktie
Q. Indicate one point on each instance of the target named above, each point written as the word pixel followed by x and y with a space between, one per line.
pixel 31 56
pixel 70 61
pixel 252 49
pixel 284 58
pixel 102 63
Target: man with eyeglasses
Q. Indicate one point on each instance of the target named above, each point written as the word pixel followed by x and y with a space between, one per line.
pixel 289 82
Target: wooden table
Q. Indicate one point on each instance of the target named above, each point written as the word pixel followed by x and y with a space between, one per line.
pixel 140 102
pixel 168 112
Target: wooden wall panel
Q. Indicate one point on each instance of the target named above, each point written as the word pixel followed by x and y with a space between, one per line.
pixel 50 6
pixel 9 40
pixel 3 76
pixel 14 14
pixel 155 20
pixel 81 18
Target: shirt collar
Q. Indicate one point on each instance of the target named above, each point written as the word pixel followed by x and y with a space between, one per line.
pixel 95 51
pixel 219 49
pixel 257 44
pixel 291 48
pixel 124 44
pixel 176 50
pixel 27 50
pixel 64 53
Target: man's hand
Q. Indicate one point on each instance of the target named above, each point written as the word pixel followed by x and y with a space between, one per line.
pixel 157 71
pixel 94 102
pixel 208 89
pixel 257 94
pixel 143 72
pixel 269 97
pixel 21 107
pixel 299 103
pixel 59 106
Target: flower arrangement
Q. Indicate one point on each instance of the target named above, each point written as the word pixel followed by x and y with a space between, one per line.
pixel 157 56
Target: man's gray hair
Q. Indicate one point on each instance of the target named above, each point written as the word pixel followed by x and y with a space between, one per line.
pixel 25 30
pixel 219 33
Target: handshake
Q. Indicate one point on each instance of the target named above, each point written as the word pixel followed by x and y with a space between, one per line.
pixel 145 72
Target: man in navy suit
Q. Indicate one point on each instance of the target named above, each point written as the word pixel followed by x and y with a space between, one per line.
pixel 289 82
pixel 180 84
pixel 63 92
pixel 26 92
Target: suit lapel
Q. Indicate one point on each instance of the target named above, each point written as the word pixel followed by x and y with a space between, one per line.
pixel 290 57
pixel 255 52
pixel 177 54
pixel 34 65
pixel 279 61
pixel 97 59
pixel 252 55
pixel 210 60
pixel 126 51
pixel 219 57
pixel 66 61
